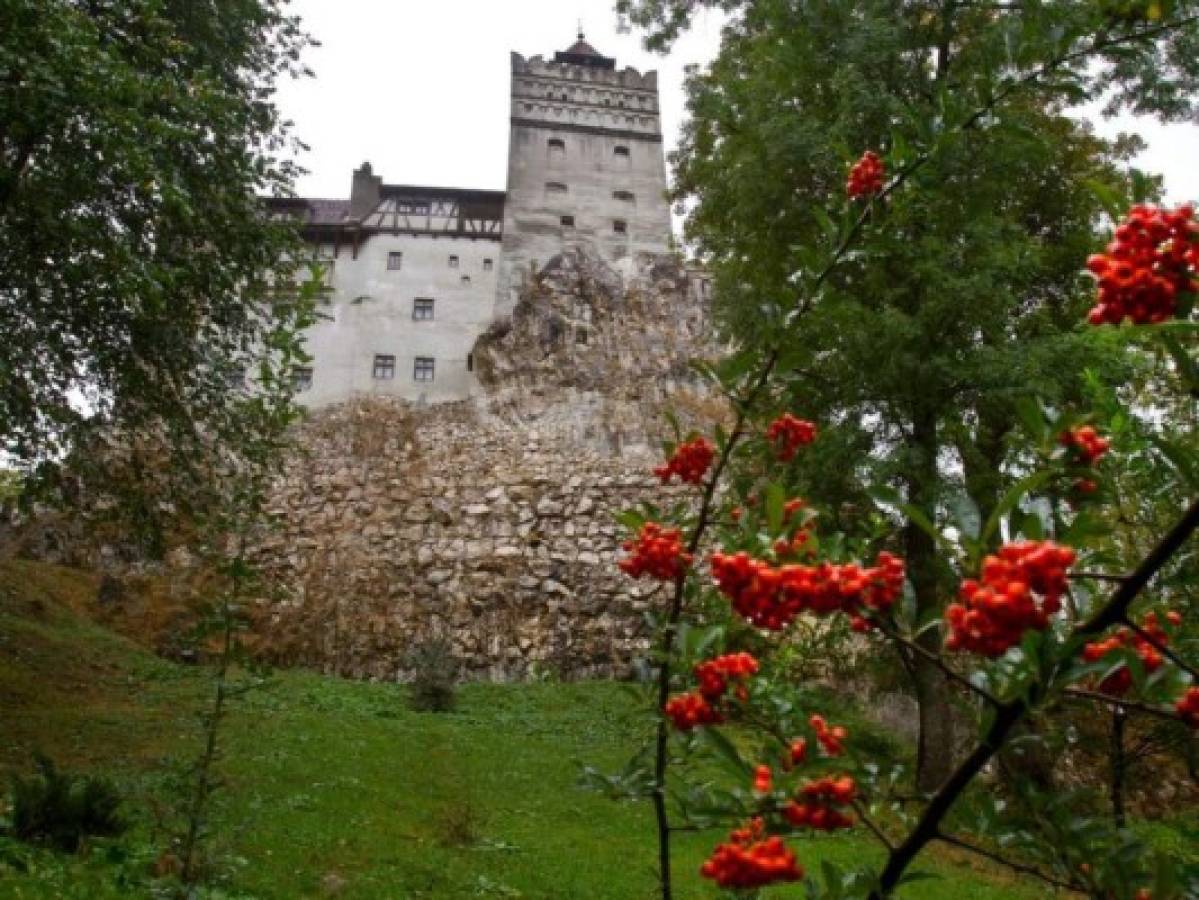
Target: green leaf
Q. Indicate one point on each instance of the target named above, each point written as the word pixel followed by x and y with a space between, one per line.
pixel 775 500
pixel 727 752
pixel 1032 417
pixel 1010 500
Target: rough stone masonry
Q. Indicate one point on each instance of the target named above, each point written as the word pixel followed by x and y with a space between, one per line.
pixel 490 522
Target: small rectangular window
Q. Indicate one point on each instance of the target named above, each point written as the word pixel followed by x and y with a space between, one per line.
pixel 395 261
pixel 453 262
pixel 422 309
pixel 488 265
pixel 385 367
pixel 567 221
pixel 301 379
pixel 470 362
pixel 465 280
pixel 555 187
pixel 620 226
pixel 623 196
pixel 422 369
pixel 620 151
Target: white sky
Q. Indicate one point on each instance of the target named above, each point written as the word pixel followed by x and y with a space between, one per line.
pixel 420 88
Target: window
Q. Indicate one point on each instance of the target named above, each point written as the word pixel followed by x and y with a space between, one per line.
pixel 422 309
pixel 423 369
pixel 412 207
pixel 620 150
pixel 488 265
pixel 555 187
pixel 385 367
pixel 395 261
pixel 465 280
pixel 580 335
pixel 453 262
pixel 556 145
pixel 301 379
pixel 620 226
pixel 624 196
pixel 567 221
pixel 470 362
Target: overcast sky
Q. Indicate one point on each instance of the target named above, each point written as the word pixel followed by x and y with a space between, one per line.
pixel 420 88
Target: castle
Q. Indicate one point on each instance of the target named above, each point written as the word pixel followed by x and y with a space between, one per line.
pixel 417 274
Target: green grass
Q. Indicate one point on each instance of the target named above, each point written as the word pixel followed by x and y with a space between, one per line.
pixel 336 788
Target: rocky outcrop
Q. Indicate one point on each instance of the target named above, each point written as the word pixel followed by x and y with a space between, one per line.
pixel 491 522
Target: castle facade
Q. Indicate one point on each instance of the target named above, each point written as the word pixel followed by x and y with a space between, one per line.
pixel 417 274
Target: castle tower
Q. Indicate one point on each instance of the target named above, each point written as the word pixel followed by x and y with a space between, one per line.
pixel 585 163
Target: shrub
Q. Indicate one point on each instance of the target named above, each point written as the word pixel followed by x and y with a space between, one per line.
pixel 61 809
pixel 434 675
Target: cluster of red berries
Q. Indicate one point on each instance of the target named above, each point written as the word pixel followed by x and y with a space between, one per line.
pixel 688 711
pixel 1188 707
pixel 818 807
pixel 830 737
pixel 1118 682
pixel 1154 258
pixel 751 860
pixel 1085 442
pixel 690 461
pixel 788 433
pixel 996 610
pixel 658 552
pixel 866 176
pixel 715 676
pixel 772 596
pixel 1087 447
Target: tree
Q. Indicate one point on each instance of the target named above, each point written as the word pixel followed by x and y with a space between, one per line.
pixel 919 348
pixel 141 282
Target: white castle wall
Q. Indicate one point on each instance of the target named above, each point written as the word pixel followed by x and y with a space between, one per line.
pixel 371 312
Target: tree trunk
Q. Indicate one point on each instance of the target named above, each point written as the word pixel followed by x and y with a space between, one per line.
pixel 934 749
pixel 1119 766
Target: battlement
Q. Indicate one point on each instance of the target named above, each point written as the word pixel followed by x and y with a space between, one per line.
pixel 568 66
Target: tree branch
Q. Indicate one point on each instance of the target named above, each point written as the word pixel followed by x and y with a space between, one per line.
pixel 1022 868
pixel 937 661
pixel 1084 696
pixel 1008 715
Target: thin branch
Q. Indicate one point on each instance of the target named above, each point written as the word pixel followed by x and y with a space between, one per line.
pixel 1097 576
pixel 875 829
pixel 703 520
pixel 1081 695
pixel 1161 648
pixel 1022 868
pixel 937 661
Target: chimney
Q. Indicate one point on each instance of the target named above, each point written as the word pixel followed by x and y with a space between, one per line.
pixel 365 192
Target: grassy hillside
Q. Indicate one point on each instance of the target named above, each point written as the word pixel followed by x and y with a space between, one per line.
pixel 334 788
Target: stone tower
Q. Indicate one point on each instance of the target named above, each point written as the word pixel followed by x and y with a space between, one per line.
pixel 585 164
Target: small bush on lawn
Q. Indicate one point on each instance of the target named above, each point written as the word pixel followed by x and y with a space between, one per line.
pixel 60 809
pixel 434 675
